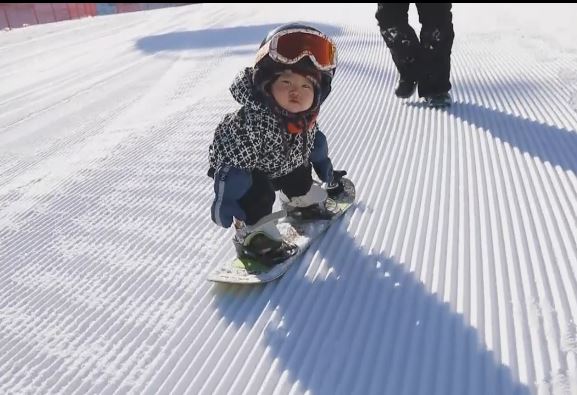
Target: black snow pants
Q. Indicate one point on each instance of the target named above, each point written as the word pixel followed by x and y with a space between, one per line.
pixel 427 61
pixel 259 199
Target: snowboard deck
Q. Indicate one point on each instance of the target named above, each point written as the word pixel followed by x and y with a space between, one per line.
pixel 297 232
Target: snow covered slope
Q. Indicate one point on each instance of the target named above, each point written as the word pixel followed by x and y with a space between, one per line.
pixel 456 272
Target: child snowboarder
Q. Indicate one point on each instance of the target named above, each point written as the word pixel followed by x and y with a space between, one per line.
pixel 270 143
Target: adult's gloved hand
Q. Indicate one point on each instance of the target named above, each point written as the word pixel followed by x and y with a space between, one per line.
pixel 230 184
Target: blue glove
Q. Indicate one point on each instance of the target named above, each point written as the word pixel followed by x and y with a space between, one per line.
pixel 230 184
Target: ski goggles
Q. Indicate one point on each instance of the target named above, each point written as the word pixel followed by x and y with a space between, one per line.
pixel 290 46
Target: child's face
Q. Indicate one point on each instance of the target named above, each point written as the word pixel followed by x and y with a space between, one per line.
pixel 293 92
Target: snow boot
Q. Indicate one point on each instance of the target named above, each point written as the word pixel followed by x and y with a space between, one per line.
pixel 262 241
pixel 313 205
pixel 405 89
pixel 440 100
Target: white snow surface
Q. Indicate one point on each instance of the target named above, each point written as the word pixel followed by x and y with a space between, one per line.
pixel 455 272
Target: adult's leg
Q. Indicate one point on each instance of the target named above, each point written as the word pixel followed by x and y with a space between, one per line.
pixel 400 38
pixel 437 37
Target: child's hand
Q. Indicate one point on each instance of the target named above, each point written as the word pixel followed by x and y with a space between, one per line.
pixel 336 186
pixel 338 174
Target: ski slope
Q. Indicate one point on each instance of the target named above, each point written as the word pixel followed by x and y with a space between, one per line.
pixel 455 273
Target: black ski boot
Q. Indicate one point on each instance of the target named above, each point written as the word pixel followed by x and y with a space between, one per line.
pixel 405 89
pixel 440 100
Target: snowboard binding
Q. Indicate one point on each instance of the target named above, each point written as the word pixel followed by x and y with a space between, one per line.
pixel 322 211
pixel 262 241
pixel 264 250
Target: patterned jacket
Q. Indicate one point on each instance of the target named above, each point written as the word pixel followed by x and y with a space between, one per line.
pixel 253 137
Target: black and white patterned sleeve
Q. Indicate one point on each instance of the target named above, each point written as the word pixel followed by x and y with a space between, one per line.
pixel 234 143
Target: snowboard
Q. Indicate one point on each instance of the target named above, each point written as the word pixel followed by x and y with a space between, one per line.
pixel 294 231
